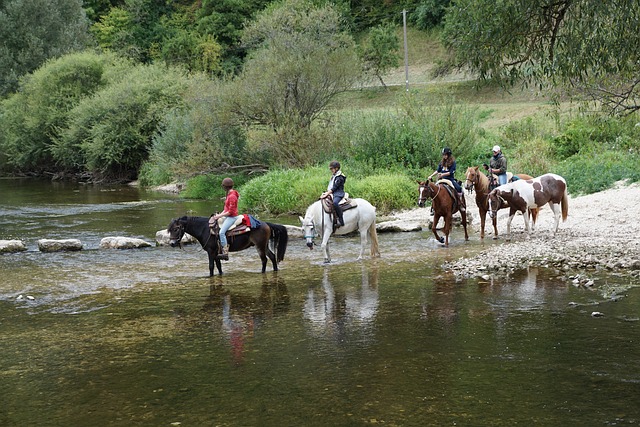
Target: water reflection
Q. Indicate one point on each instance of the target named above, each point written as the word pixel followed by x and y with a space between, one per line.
pixel 336 312
pixel 239 315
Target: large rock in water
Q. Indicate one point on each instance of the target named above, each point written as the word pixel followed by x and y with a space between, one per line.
pixel 8 246
pixel 49 245
pixel 120 242
pixel 162 238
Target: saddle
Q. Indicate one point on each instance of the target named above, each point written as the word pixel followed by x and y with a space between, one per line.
pixel 238 227
pixel 346 203
pixel 452 192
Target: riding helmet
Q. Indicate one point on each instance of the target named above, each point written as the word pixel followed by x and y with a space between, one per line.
pixel 227 183
pixel 446 150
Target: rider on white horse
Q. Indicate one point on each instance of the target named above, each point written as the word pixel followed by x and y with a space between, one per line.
pixel 336 189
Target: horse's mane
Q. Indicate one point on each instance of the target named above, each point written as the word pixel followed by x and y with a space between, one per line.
pixel 483 181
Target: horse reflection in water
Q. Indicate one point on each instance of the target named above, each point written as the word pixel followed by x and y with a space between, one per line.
pixel 240 315
pixel 336 313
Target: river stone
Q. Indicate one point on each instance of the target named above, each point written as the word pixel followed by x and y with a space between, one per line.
pixel 8 246
pixel 120 242
pixel 398 225
pixel 294 231
pixel 162 238
pixel 50 245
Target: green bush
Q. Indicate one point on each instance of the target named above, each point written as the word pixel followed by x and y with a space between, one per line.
pixel 209 186
pixel 291 191
pixel 34 117
pixel 113 130
pixel 598 171
pixel 411 138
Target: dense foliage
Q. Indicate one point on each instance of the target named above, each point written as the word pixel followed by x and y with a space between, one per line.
pixel 36 30
pixel 542 41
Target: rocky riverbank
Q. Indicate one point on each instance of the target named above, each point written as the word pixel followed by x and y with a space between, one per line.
pixel 602 232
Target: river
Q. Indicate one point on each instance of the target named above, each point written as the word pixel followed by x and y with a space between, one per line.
pixel 145 338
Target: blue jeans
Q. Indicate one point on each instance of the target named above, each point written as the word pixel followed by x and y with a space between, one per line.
pixel 228 222
pixel 502 179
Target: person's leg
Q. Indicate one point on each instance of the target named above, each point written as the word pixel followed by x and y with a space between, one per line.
pixel 502 179
pixel 226 224
pixel 338 209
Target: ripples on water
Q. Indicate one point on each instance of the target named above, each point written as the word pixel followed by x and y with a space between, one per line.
pixel 144 337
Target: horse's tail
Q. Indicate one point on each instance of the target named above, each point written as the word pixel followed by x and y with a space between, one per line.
pixel 280 238
pixel 373 234
pixel 565 205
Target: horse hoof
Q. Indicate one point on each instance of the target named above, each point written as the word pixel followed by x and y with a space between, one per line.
pixel 441 240
pixel 495 237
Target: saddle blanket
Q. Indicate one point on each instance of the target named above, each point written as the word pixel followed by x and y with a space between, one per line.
pixel 243 224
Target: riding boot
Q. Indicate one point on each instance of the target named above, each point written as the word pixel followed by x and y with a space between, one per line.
pixel 225 253
pixel 339 215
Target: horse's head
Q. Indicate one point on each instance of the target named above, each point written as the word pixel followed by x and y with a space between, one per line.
pixel 495 202
pixel 176 231
pixel 422 193
pixel 309 230
pixel 425 192
pixel 472 177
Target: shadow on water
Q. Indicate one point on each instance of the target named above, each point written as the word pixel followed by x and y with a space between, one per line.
pixel 147 338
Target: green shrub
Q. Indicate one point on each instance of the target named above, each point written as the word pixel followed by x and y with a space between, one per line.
pixel 291 191
pixel 411 138
pixel 208 186
pixel 598 171
pixel 113 130
pixel 35 116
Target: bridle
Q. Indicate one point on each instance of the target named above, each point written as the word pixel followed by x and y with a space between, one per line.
pixel 425 188
pixel 475 182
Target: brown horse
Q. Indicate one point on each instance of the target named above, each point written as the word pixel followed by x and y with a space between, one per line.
pixel 198 227
pixel 480 183
pixel 443 206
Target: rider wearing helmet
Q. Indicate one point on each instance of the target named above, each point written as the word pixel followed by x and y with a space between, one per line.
pixel 229 213
pixel 446 170
pixel 336 189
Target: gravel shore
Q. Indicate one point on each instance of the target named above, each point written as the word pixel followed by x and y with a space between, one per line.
pixel 602 231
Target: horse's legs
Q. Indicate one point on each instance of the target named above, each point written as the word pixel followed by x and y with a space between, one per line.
pixel 511 215
pixel 447 228
pixel 436 219
pixel 525 216
pixel 494 221
pixel 483 217
pixel 272 257
pixel 363 240
pixel 556 215
pixel 464 224
pixel 219 266
pixel 212 262
pixel 326 233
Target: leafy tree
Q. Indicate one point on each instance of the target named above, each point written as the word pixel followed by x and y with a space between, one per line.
pixel 224 20
pixel 34 117
pixel 301 58
pixel 381 53
pixel 113 129
pixel 591 45
pixel 33 31
pixel 428 13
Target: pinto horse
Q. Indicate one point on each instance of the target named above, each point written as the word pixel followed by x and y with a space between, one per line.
pixel 198 227
pixel 480 183
pixel 532 193
pixel 443 206
pixel 361 218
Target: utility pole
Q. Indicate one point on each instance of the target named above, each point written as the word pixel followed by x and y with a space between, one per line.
pixel 406 54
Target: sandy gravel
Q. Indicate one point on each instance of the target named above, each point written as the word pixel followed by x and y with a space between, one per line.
pixel 602 231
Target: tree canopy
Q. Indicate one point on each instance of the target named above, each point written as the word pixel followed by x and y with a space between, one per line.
pixel 591 45
pixel 33 31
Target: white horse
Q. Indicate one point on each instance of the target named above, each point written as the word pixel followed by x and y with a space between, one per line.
pixel 361 218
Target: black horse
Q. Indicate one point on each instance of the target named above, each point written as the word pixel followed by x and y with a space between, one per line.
pixel 198 227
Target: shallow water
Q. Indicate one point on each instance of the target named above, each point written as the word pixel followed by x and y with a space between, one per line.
pixel 144 337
